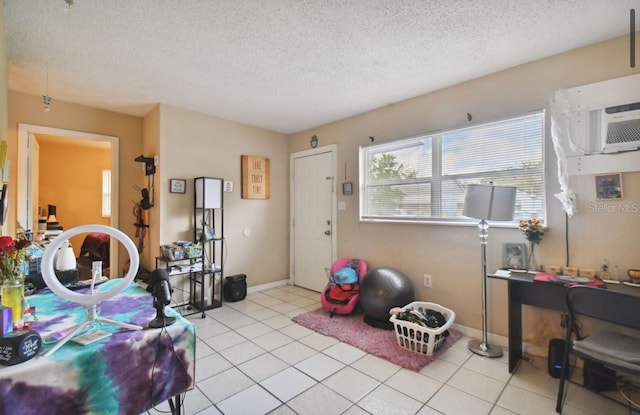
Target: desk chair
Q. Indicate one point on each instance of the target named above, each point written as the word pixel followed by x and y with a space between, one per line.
pixel 617 352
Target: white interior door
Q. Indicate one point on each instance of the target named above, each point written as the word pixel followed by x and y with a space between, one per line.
pixel 313 222
pixel 34 184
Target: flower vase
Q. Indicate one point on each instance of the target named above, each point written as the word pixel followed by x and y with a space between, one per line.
pixel 13 297
pixel 532 263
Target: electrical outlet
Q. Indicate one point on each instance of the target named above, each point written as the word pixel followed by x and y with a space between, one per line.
pixel 427 280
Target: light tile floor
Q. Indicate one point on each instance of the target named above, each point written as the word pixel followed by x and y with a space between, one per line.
pixel 253 359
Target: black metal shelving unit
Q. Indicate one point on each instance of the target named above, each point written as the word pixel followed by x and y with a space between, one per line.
pixel 205 286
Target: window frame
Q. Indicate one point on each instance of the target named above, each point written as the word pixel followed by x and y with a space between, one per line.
pixel 106 193
pixel 436 179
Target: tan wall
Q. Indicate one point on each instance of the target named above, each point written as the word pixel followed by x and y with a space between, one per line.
pixel 3 77
pixel 150 148
pixel 451 254
pixel 4 114
pixel 71 179
pixel 27 109
pixel 196 145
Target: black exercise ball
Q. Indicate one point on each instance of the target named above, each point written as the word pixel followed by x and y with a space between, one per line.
pixel 381 290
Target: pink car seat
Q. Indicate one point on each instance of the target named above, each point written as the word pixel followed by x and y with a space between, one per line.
pixel 360 267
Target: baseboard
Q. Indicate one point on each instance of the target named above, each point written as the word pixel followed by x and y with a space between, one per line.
pixel 267 286
pixel 528 348
pixel 477 334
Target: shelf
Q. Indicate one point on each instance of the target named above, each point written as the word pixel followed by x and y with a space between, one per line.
pixel 205 285
pixel 184 266
pixel 201 274
pixel 199 307
pixel 208 271
pixel 170 261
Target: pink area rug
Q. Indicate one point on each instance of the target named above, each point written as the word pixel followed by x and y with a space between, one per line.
pixel 379 342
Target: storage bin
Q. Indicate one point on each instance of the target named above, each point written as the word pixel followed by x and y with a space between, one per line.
pixel 420 339
pixel 172 252
pixel 193 250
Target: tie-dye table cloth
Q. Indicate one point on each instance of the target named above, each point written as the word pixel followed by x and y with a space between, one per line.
pixel 126 373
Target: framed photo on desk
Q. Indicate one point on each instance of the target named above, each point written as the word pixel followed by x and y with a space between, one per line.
pixel 514 255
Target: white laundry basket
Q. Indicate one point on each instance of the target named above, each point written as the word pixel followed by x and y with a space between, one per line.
pixel 420 339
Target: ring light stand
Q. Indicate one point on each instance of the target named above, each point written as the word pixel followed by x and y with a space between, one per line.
pixel 91 300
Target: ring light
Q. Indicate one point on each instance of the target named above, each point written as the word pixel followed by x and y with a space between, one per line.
pixel 90 300
pixel 49 276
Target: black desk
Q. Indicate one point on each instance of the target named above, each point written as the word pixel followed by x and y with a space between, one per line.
pixel 522 290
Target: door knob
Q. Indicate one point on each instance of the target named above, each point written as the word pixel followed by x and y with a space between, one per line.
pixel 327 232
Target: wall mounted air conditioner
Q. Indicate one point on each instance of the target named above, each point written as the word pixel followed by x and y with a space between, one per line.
pixel 608 130
pixel 604 126
pixel 621 129
pixel 605 116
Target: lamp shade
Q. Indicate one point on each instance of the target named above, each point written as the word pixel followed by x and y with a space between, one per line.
pixel 490 202
pixel 65 258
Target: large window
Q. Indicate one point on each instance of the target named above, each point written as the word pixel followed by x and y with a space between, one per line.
pixel 424 178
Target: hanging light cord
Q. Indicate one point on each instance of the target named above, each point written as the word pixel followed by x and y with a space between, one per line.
pixel 46 99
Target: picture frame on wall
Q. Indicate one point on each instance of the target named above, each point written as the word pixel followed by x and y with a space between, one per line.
pixel 514 255
pixel 256 181
pixel 609 186
pixel 177 186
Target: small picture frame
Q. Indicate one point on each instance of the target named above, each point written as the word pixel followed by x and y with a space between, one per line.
pixel 177 186
pixel 347 188
pixel 514 255
pixel 609 186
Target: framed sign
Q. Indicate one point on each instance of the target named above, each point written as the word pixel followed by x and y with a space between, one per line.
pixel 609 186
pixel 347 188
pixel 177 186
pixel 255 178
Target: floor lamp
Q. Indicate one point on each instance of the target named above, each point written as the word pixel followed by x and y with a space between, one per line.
pixel 496 203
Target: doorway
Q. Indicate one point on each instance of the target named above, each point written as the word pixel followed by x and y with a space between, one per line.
pixel 28 167
pixel 313 216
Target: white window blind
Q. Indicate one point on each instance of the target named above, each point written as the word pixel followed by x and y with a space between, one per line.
pixel 106 193
pixel 424 178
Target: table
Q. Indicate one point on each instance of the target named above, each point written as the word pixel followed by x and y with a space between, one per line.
pixel 128 372
pixel 522 290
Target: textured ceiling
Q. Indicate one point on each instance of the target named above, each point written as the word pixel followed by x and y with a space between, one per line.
pixel 284 65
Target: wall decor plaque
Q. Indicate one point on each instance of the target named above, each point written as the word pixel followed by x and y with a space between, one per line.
pixel 255 177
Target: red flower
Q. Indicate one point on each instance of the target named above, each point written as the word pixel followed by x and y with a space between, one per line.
pixel 12 256
pixel 7 245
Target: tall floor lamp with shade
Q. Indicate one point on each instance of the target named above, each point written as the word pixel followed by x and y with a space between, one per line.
pixel 495 203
